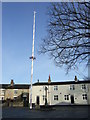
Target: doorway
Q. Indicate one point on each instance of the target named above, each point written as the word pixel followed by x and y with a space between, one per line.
pixel 72 99
pixel 37 100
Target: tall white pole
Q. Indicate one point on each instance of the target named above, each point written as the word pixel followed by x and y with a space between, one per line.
pixel 32 57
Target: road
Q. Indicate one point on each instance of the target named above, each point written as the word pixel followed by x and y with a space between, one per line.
pixel 58 112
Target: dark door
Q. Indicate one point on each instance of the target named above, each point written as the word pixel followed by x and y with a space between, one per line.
pixel 25 102
pixel 37 100
pixel 72 99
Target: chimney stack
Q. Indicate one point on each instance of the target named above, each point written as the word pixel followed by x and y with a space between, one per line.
pixel 38 80
pixel 12 83
pixel 76 80
pixel 49 80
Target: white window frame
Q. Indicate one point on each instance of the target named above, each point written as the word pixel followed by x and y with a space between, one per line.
pixel 72 87
pixel 2 91
pixel 16 91
pixel 56 97
pixel 44 97
pixel 83 87
pixel 84 96
pixel 66 97
pixel 56 87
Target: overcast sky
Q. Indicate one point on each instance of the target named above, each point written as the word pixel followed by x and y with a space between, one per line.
pixel 17 34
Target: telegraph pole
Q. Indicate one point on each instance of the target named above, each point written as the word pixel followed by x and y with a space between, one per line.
pixel 32 58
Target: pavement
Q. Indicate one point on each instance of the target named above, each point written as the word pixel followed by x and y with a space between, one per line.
pixel 81 112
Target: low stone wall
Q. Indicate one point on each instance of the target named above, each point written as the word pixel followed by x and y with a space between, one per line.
pixel 18 104
pixel 12 104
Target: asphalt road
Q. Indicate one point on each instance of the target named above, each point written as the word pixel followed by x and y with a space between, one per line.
pixel 59 112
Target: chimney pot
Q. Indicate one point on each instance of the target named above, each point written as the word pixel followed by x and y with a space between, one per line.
pixel 49 80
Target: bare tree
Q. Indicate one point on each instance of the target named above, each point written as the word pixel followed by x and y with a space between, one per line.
pixel 67 40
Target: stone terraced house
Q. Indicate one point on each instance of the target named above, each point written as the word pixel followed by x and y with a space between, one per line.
pixel 46 93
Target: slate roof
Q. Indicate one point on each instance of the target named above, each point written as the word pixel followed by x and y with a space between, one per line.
pixel 15 86
pixel 61 83
pixel 26 86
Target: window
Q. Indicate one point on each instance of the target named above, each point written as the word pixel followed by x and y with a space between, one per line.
pixel 83 86
pixel 15 91
pixel 2 91
pixel 72 87
pixel 55 97
pixel 44 97
pixel 55 87
pixel 84 96
pixel 15 97
pixel 66 97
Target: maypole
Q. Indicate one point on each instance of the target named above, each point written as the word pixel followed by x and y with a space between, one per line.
pixel 32 58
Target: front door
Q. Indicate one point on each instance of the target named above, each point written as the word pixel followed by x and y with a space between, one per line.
pixel 37 101
pixel 72 99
